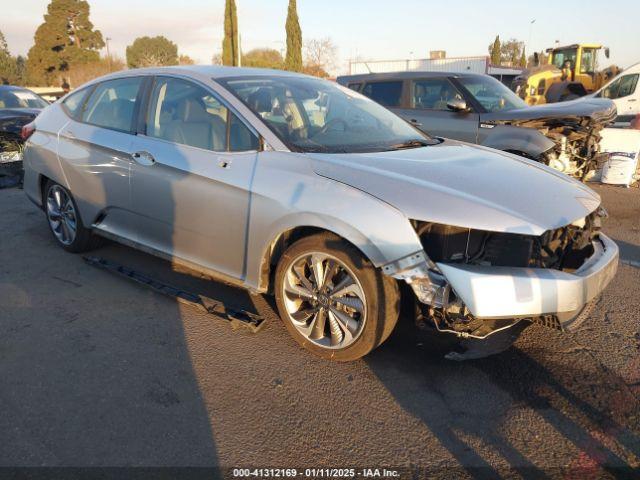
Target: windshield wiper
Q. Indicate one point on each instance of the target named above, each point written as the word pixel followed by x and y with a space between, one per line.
pixel 411 144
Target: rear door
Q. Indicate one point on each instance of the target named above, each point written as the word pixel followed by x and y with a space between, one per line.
pixel 95 151
pixel 426 108
pixel 190 184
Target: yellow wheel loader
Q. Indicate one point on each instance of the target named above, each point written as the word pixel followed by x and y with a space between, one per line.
pixel 570 72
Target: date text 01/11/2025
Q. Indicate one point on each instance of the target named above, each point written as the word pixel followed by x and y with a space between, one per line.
pixel 315 473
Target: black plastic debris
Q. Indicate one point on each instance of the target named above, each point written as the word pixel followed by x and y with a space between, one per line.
pixel 237 317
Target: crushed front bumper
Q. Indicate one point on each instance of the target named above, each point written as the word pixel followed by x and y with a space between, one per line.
pixel 506 292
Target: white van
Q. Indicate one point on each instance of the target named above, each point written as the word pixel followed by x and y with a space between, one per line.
pixel 624 90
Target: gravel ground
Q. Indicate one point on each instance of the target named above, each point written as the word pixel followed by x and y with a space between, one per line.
pixel 96 371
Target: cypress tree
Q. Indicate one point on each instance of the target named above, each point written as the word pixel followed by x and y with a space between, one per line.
pixel 230 46
pixel 496 56
pixel 523 58
pixel 66 38
pixel 293 60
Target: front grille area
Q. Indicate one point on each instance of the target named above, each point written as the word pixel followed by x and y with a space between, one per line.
pixel 564 248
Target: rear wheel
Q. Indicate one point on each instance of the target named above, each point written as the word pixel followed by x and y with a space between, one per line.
pixel 332 300
pixel 64 220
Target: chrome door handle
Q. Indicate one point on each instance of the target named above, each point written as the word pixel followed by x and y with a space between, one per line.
pixel 143 158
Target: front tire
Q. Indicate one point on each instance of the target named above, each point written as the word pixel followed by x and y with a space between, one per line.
pixel 64 220
pixel 332 300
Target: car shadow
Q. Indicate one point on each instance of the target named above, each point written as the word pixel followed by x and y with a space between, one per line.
pixel 629 253
pixel 85 381
pixel 466 406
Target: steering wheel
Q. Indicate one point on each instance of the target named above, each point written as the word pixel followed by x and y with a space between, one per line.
pixel 327 126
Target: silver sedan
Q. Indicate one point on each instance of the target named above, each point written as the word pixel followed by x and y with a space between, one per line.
pixel 295 186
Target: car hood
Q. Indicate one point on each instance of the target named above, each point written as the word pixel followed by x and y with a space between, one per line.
pixel 465 185
pixel 599 110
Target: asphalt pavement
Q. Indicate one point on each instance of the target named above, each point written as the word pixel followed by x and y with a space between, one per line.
pixel 97 371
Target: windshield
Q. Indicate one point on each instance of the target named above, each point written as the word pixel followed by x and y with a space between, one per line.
pixel 565 56
pixel 20 99
pixel 491 94
pixel 313 115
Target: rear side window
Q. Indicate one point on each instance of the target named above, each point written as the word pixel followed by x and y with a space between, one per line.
pixel 185 113
pixel 73 103
pixel 385 93
pixel 112 104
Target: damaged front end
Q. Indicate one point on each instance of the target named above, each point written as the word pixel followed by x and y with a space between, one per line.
pixel 481 285
pixel 577 144
pixel 574 127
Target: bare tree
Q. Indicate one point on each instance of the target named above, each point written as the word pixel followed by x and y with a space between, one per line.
pixel 185 60
pixel 320 56
pixel 216 59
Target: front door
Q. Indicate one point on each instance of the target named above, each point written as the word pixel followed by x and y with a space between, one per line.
pixel 191 177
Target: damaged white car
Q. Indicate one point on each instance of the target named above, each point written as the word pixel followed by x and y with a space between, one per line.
pixel 296 186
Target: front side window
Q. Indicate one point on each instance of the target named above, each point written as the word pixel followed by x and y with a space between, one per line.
pixel 493 95
pixel 185 113
pixel 565 58
pixel 627 85
pixel 587 64
pixel 313 115
pixel 388 94
pixel 434 93
pixel 611 91
pixel 112 104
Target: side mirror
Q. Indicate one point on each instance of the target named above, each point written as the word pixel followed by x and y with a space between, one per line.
pixel 457 105
pixel 607 52
pixel 536 59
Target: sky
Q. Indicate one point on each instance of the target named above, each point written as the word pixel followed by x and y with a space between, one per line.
pixel 364 29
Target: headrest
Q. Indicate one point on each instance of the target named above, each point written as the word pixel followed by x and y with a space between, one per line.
pixel 192 110
pixel 260 100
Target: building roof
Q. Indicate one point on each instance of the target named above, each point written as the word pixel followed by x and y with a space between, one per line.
pixel 404 75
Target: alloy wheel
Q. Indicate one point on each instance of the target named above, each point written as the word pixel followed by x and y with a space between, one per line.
pixel 61 215
pixel 324 300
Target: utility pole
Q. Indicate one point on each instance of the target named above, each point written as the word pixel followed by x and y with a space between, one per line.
pixel 239 39
pixel 530 34
pixel 106 41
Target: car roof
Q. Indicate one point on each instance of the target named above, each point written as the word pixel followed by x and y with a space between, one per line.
pixel 14 88
pixel 405 75
pixel 213 71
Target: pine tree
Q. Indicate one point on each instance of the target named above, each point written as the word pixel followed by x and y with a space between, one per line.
pixel 523 59
pixel 66 38
pixel 293 60
pixel 495 52
pixel 152 52
pixel 230 44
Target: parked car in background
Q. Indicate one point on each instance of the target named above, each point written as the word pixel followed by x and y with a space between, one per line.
pixel 18 107
pixel 479 109
pixel 624 91
pixel 288 184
